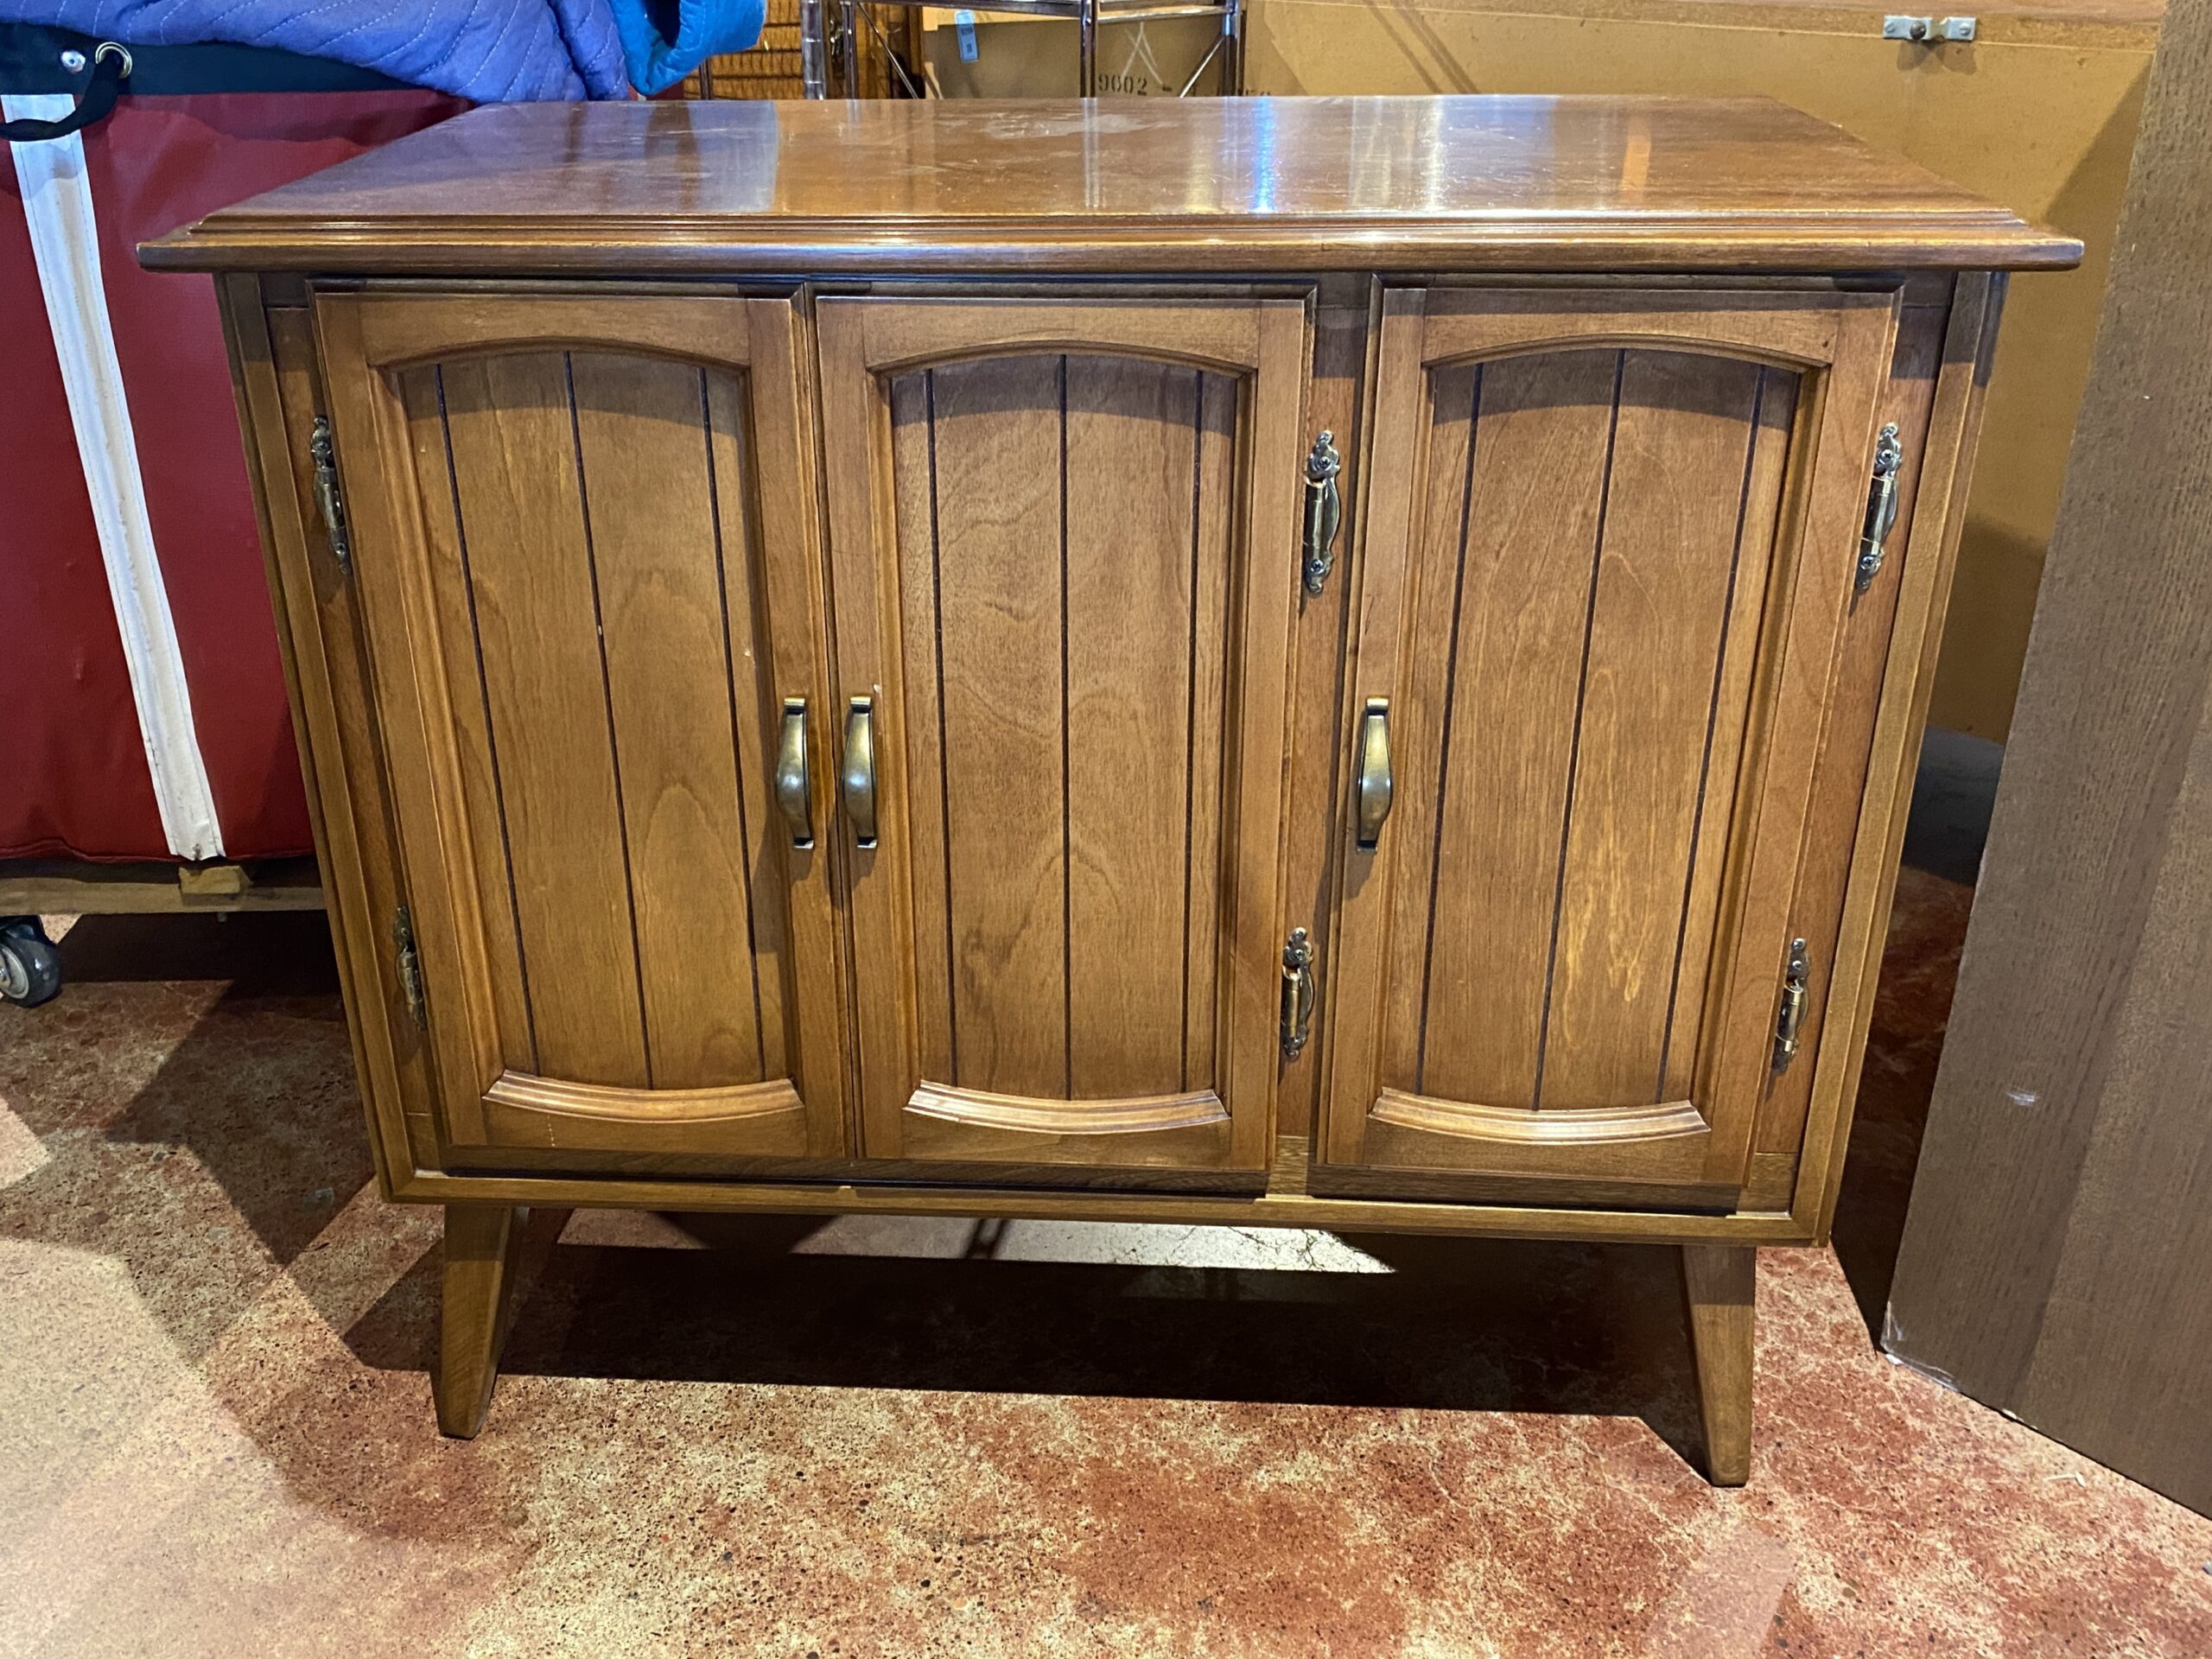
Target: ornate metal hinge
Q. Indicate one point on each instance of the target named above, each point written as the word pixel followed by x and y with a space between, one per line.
pixel 1325 510
pixel 327 497
pixel 1794 976
pixel 409 965
pixel 1881 508
pixel 1297 992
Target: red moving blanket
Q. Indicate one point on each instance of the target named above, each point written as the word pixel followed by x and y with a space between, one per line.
pixel 75 776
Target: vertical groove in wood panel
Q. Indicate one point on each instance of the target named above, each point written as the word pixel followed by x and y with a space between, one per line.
pixel 1574 751
pixel 1000 598
pixel 1531 524
pixel 1067 817
pixel 944 772
pixel 513 440
pixel 484 691
pixel 1763 490
pixel 1191 715
pixel 736 710
pixel 1444 742
pixel 1711 723
pixel 661 538
pixel 1128 599
pixel 1441 522
pixel 766 873
pixel 1215 460
pixel 599 622
pixel 1676 503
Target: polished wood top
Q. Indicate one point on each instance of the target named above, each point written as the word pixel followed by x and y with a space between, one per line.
pixel 1251 184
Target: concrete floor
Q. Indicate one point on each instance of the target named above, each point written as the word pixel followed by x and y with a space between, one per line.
pixel 921 1438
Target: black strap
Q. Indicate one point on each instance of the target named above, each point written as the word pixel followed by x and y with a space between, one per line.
pixel 111 68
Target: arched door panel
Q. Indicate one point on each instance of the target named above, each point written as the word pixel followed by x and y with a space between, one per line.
pixel 1064 539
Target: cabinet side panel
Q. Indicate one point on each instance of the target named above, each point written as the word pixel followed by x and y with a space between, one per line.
pixel 273 363
pixel 1846 742
pixel 1938 521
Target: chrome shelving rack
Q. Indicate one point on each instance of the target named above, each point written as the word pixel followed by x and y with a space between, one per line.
pixel 822 23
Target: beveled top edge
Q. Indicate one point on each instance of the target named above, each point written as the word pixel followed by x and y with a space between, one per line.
pixel 1220 184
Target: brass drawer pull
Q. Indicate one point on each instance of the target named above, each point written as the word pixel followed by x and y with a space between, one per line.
pixel 1371 790
pixel 858 777
pixel 1297 992
pixel 792 792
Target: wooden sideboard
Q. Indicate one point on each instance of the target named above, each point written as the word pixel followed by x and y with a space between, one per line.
pixel 1336 663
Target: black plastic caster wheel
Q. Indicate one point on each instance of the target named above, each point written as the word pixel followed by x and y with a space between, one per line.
pixel 31 964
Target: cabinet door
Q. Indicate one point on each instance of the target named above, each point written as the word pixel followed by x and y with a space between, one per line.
pixel 1064 545
pixel 1609 546
pixel 580 529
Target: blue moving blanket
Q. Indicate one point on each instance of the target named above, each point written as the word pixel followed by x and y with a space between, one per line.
pixel 665 40
pixel 491 51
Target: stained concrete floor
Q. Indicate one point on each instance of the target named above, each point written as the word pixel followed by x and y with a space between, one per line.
pixel 920 1439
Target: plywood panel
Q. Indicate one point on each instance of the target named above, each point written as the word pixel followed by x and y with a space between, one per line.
pixel 1513 631
pixel 1000 570
pixel 1674 508
pixel 512 430
pixel 657 549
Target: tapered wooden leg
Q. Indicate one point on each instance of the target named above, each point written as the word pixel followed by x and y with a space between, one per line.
pixel 483 1262
pixel 1717 1282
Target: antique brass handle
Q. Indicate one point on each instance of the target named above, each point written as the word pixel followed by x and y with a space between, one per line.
pixel 1297 992
pixel 792 792
pixel 858 777
pixel 1881 508
pixel 1325 510
pixel 1371 788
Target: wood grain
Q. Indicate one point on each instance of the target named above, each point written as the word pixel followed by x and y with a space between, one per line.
pixel 644 451
pixel 1576 639
pixel 1497 654
pixel 1719 1287
pixel 272 367
pixel 1132 644
pixel 510 427
pixel 1000 563
pixel 1617 184
pixel 1043 580
pixel 483 1252
pixel 1678 495
pixel 2058 1255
